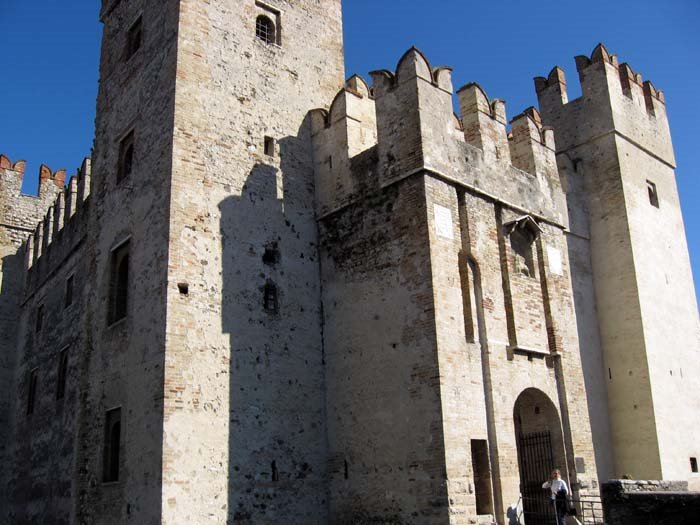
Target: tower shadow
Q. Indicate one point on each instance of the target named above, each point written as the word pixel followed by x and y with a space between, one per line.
pixel 271 311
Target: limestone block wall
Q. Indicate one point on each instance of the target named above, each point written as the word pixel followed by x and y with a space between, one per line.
pixel 615 148
pixel 244 432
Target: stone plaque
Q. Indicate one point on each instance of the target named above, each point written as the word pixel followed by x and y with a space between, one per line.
pixel 555 262
pixel 443 222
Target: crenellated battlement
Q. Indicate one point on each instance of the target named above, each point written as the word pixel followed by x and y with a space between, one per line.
pixel 341 133
pixel 59 230
pixel 405 122
pixel 20 212
pixel 630 82
pixel 58 218
pixel 614 96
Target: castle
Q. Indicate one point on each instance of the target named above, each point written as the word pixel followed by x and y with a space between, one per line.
pixel 244 309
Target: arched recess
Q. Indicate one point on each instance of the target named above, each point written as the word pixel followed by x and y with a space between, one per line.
pixel 540 443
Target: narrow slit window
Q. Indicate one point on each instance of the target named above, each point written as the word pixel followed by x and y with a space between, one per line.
pixel 39 318
pixel 269 146
pixel 62 374
pixel 112 445
pixel 69 291
pixel 270 298
pixel 31 393
pixel 653 194
pixel 126 157
pixel 265 30
pixel 134 38
pixel 119 283
pixel 275 472
pixel 694 465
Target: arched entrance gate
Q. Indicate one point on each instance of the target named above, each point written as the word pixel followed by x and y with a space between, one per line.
pixel 540 450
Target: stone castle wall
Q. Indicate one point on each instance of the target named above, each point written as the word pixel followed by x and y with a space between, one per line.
pixel 19 215
pixel 330 312
pixel 413 229
pixel 613 143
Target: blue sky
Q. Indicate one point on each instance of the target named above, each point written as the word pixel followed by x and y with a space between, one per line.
pixel 49 53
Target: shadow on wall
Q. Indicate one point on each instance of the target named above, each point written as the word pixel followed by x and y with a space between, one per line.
pixel 10 291
pixel 271 309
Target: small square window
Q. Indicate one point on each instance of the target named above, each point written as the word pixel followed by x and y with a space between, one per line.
pixel 134 38
pixel 126 157
pixel 69 291
pixel 694 465
pixel 653 194
pixel 269 146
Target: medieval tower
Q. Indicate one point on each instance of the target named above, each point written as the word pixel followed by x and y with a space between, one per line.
pixel 634 286
pixel 272 296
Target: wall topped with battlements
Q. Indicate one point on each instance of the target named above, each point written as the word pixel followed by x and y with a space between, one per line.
pixel 405 123
pixel 62 228
pixel 45 225
pixel 20 212
pixel 614 97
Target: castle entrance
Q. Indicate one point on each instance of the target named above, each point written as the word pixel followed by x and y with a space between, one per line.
pixel 540 450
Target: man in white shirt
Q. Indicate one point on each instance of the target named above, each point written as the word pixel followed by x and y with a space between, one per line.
pixel 559 492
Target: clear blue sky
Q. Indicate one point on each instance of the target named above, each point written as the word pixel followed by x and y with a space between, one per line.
pixel 49 52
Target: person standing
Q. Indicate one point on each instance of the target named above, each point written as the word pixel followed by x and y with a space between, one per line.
pixel 559 491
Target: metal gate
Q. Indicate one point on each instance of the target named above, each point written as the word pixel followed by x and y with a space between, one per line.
pixel 536 462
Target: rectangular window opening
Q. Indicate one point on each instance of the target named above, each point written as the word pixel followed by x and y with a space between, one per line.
pixel 119 283
pixel 270 298
pixel 481 467
pixel 134 38
pixel 39 317
pixel 653 194
pixel 31 394
pixel 69 291
pixel 125 163
pixel 62 374
pixel 112 444
pixel 269 146
pixel 694 465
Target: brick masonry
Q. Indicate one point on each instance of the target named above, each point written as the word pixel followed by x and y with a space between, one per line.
pixel 333 295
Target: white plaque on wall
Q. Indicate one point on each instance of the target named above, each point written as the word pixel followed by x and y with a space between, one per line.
pixel 555 262
pixel 443 222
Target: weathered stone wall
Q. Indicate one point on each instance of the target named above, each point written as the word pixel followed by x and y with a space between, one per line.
pixel 19 215
pixel 122 363
pixel 628 502
pixel 244 431
pixel 386 457
pixel 319 327
pixel 612 142
pixel 40 468
pixel 419 241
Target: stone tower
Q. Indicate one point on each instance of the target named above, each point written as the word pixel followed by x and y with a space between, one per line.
pixel 209 373
pixel 635 300
pixel 449 329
